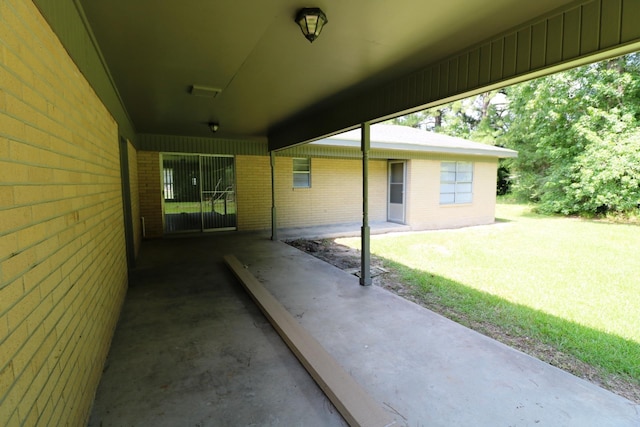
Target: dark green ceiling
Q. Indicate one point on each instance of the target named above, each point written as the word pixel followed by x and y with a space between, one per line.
pixel 275 84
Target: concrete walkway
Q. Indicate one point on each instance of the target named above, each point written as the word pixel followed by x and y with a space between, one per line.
pixel 191 349
pixel 339 230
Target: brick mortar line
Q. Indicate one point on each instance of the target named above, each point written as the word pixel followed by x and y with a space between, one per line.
pixel 66 70
pixel 113 160
pixel 117 198
pixel 96 273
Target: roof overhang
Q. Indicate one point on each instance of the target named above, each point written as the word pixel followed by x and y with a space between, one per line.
pixel 374 60
pixel 395 139
pixel 490 151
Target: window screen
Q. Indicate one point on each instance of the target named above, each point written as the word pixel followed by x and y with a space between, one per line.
pixel 396 183
pixel 301 173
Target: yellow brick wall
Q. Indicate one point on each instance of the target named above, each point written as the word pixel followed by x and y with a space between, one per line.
pixel 150 193
pixel 423 196
pixel 335 195
pixel 135 196
pixel 378 191
pixel 253 192
pixel 63 267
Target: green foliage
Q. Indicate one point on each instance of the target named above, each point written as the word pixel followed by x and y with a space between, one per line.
pixel 576 138
pixel 479 118
pixel 606 176
pixel 504 180
pixel 575 133
pixel 413 120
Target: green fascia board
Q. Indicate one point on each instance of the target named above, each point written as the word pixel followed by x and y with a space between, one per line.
pixel 579 33
pixel 68 21
pixel 201 145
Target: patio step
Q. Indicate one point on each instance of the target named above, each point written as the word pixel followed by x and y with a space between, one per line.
pixel 356 406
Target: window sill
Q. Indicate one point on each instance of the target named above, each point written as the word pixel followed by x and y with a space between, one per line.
pixel 453 205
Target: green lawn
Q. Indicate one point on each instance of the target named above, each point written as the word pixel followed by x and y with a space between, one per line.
pixel 571 283
pixel 181 207
pixel 194 207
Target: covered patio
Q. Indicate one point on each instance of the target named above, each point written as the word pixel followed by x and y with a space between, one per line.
pixel 192 348
pixel 94 93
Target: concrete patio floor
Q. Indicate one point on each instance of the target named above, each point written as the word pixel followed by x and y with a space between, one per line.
pixel 340 230
pixel 192 349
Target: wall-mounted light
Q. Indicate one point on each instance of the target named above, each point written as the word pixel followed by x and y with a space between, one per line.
pixel 214 126
pixel 311 21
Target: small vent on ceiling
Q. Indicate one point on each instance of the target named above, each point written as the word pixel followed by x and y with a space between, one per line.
pixel 207 92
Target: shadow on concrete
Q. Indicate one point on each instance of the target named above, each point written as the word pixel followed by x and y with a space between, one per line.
pixel 192 349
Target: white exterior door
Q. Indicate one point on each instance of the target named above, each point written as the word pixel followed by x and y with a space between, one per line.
pixel 396 196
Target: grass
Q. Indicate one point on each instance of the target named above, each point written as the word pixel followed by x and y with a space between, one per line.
pixel 194 207
pixel 572 284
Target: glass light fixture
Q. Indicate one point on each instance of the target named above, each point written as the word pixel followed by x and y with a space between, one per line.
pixel 311 21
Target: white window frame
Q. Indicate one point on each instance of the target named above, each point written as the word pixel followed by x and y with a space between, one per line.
pixel 456 183
pixel 298 172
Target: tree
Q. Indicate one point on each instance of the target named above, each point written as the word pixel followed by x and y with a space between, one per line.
pixel 606 176
pixel 430 120
pixel 479 118
pixel 576 135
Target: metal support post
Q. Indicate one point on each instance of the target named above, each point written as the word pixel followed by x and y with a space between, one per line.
pixel 274 221
pixel 365 252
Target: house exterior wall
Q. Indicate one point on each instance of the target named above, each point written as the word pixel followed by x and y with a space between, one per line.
pixel 135 197
pixel 63 268
pixel 150 193
pixel 424 211
pixel 253 192
pixel 335 196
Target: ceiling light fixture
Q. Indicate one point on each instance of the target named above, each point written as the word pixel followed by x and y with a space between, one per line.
pixel 311 21
pixel 213 126
pixel 204 91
